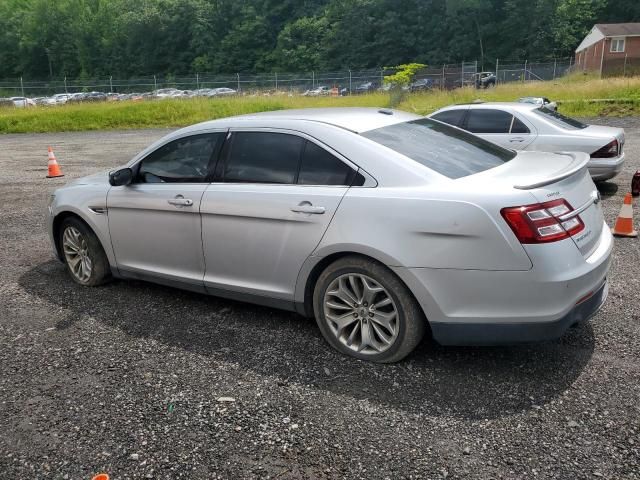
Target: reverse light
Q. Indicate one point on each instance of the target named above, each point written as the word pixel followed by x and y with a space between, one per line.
pixel 610 150
pixel 542 222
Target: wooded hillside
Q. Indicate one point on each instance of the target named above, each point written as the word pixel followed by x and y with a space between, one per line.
pixel 85 38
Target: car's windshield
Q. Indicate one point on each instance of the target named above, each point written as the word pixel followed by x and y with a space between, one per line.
pixel 559 119
pixel 447 150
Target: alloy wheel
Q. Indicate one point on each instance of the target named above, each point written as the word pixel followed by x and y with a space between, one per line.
pixel 361 313
pixel 76 253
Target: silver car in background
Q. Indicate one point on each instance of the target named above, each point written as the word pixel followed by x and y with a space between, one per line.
pixel 382 224
pixel 526 126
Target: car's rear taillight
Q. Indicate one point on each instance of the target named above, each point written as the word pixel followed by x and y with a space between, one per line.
pixel 610 150
pixel 543 222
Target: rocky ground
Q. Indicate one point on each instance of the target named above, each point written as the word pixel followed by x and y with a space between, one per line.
pixel 144 381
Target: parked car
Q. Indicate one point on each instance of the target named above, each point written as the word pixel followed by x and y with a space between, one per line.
pixel 22 102
pixel 223 91
pixel 317 92
pixel 543 101
pixel 95 97
pixel 421 85
pixel 485 80
pixel 382 224
pixel 366 87
pixel 165 92
pixel 526 126
pixel 60 98
pixel 6 102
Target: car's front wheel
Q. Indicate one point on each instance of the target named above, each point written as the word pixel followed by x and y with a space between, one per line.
pixel 365 311
pixel 85 259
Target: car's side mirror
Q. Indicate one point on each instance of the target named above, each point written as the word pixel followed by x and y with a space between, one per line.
pixel 121 177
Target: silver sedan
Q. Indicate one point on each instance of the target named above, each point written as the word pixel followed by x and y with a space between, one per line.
pixel 526 126
pixel 381 224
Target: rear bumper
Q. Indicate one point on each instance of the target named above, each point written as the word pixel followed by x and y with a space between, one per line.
pixel 514 333
pixel 480 307
pixel 602 169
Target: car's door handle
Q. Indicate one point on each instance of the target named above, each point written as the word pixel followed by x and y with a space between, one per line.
pixel 180 201
pixel 516 140
pixel 307 207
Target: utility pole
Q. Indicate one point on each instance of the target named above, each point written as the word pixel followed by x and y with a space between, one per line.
pixel 155 83
pixel 65 84
pixel 524 77
pixel 624 69
pixel 238 76
pixel 276 81
pixel 349 82
pixel 197 81
pixel 442 84
pixel 497 65
pixel 22 88
pixel 554 68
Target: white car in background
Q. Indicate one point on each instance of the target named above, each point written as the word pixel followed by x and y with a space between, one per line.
pixel 22 102
pixel 531 127
pixel 542 101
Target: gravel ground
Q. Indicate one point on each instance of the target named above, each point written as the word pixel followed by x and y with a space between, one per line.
pixel 143 381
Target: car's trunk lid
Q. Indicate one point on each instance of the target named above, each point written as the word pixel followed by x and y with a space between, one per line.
pixel 551 176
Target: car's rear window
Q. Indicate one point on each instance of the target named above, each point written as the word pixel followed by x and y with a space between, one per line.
pixel 447 150
pixel 559 119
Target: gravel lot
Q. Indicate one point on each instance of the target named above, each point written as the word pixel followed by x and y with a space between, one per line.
pixel 131 378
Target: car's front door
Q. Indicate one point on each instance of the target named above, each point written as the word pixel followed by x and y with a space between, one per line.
pixel 274 196
pixel 155 222
pixel 499 126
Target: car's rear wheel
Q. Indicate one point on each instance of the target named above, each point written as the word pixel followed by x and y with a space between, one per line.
pixel 365 311
pixel 83 255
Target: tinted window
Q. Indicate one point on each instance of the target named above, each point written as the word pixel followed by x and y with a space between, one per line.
pixel 319 167
pixel 518 126
pixel 559 119
pixel 444 149
pixel 183 160
pixel 452 117
pixel 488 121
pixel 263 157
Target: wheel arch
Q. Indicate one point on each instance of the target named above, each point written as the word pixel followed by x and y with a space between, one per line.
pixel 308 280
pixel 59 219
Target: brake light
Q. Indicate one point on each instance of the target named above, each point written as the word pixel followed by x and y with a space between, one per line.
pixel 610 150
pixel 541 222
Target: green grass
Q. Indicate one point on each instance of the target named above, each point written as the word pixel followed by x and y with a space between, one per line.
pixel 579 95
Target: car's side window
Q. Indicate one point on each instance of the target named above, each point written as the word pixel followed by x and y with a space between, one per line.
pixel 452 117
pixel 184 160
pixel 319 167
pixel 263 157
pixel 488 121
pixel 518 127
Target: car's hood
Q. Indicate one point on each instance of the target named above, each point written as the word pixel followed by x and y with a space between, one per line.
pixel 96 178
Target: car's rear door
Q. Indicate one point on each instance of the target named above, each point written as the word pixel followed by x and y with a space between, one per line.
pixel 154 222
pixel 275 194
pixel 500 126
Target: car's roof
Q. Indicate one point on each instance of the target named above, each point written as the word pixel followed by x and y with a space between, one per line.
pixel 351 118
pixel 512 105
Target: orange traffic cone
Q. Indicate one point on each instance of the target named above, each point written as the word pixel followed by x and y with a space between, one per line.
pixel 624 222
pixel 101 476
pixel 54 168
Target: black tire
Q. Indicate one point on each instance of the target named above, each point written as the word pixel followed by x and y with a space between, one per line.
pixel 411 323
pixel 100 269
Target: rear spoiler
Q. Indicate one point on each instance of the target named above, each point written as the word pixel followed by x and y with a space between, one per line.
pixel 579 162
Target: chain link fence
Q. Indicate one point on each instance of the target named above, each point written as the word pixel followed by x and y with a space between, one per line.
pixel 448 76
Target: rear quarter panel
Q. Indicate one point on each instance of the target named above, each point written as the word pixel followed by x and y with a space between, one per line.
pixel 415 228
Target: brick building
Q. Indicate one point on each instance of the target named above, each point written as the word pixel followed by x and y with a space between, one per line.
pixel 610 48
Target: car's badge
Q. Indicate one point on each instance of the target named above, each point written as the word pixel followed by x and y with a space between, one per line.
pixel 596 197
